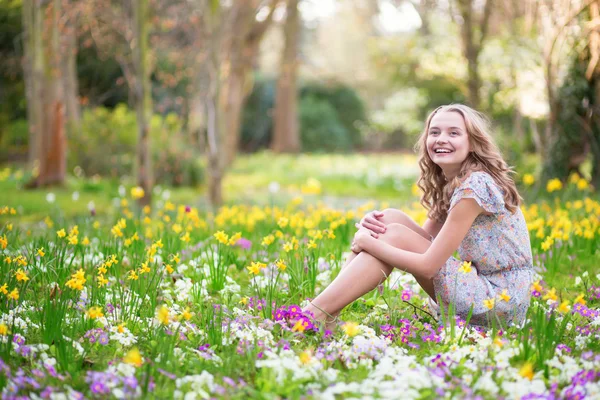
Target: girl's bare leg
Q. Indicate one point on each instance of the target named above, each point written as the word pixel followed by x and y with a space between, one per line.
pixel 394 216
pixel 365 272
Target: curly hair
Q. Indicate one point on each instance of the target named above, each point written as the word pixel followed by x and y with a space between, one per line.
pixel 484 156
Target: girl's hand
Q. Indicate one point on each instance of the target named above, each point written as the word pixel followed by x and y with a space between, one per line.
pixel 371 222
pixel 360 240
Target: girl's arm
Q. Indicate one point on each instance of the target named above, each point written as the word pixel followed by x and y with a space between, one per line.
pixel 453 231
pixel 432 227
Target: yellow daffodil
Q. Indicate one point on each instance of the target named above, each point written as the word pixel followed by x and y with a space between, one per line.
pixel 186 314
pixel 537 287
pixel 61 234
pixel 186 237
pixel 14 294
pixel 564 307
pixel 95 312
pixel 550 295
pixel 162 314
pixel 526 370
pixel 299 326
pixel 351 329
pixel 528 179
pixel 305 357
pixel 133 276
pixel 40 252
pixel 221 237
pixel 465 268
pixel 489 303
pixel 145 268
pixel 133 357
pixel 580 299
pixel 554 185
pixel 582 184
pixel 281 265
pixel 21 275
pixel 137 192
pixel 504 295
pixel 4 289
pixel 255 267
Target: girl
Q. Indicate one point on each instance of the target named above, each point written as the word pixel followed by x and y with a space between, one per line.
pixel 473 207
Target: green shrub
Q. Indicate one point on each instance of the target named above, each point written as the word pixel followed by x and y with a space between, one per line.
pixel 320 129
pixel 346 103
pixel 107 146
pixel 257 119
pixel 345 111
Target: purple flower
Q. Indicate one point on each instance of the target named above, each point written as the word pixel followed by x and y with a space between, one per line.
pixel 244 243
pixel 406 295
pixel 229 381
pixel 103 339
pixel 47 393
pixel 18 339
pixel 99 387
pixel 131 382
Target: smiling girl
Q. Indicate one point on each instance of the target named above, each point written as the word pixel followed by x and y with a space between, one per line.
pixel 473 208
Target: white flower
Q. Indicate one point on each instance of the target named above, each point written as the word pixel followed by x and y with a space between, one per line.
pixel 75 196
pixel 274 187
pixel 50 197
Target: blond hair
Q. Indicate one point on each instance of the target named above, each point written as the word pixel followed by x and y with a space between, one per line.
pixel 484 156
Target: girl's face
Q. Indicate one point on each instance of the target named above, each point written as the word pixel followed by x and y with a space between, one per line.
pixel 448 142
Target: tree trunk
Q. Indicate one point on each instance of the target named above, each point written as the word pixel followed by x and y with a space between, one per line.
pixel 473 36
pixel 473 80
pixel 286 135
pixel 33 66
pixel 241 46
pixel 52 139
pixel 232 102
pixel 70 83
pixel 143 99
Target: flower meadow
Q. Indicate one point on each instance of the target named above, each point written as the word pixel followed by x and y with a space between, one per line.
pixel 170 301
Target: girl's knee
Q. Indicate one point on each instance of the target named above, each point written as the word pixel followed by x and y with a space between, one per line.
pixel 395 231
pixel 394 216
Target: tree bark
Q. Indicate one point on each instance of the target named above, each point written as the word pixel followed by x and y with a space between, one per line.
pixel 70 83
pixel 33 66
pixel 473 40
pixel 241 46
pixel 47 119
pixel 143 99
pixel 286 135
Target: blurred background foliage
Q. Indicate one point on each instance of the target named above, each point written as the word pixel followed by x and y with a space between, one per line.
pixel 369 73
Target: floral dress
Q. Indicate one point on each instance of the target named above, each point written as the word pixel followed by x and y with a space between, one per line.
pixel 498 246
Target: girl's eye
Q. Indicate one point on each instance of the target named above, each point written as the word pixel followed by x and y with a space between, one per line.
pixel 434 132
pixel 454 133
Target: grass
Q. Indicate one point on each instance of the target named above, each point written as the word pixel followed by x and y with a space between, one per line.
pixel 172 301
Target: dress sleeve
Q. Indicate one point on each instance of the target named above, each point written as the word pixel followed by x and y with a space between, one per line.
pixel 481 187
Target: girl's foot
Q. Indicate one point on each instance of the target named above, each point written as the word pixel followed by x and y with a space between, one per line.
pixel 320 315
